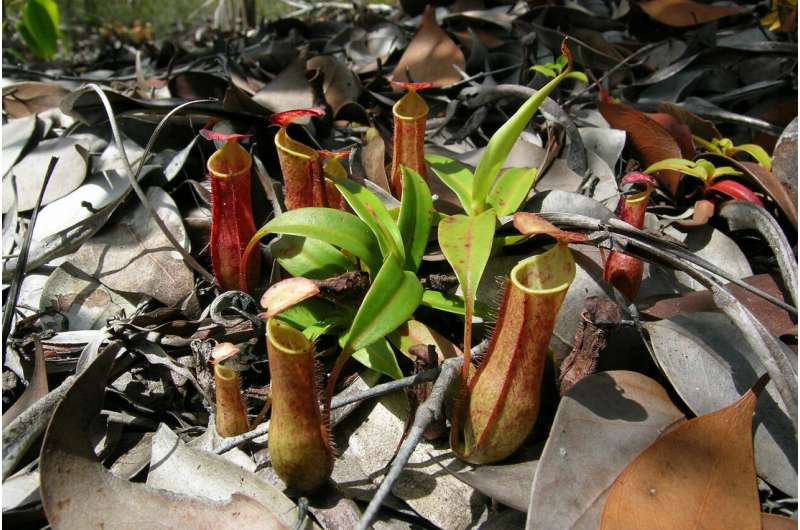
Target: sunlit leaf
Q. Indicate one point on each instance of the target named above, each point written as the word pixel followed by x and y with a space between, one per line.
pixel 455 176
pixel 310 258
pixel 380 357
pixel 511 190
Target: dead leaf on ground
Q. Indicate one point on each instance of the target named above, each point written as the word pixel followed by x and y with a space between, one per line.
pixel 340 85
pixel 705 357
pixel 31 97
pixel 134 256
pixel 685 13
pixel 771 521
pixel 699 475
pixel 16 137
pixel 430 56
pixel 78 492
pixel 603 422
pixel 649 139
pixel 30 172
pixel 36 389
pixel 288 91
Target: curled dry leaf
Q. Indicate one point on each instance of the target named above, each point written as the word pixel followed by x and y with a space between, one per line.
pixel 685 13
pixel 699 475
pixel 649 138
pixel 78 492
pixel 430 56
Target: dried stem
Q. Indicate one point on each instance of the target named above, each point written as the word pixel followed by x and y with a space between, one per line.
pixel 13 295
pixel 190 261
pixel 428 412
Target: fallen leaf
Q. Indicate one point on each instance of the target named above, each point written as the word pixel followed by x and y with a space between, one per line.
pixel 705 358
pixel 85 303
pixel 340 85
pixel 17 135
pixel 78 492
pixel 36 389
pixel 699 475
pixel 679 131
pixel 288 91
pixel 771 521
pixel 184 470
pixel 31 97
pixel 373 158
pixel 134 256
pixel 777 321
pixel 685 13
pixel 648 137
pixel 784 159
pixel 430 56
pixel 69 173
pixel 602 422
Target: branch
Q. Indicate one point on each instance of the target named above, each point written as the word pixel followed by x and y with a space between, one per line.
pixel 430 410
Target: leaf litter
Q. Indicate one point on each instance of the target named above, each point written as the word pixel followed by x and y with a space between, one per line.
pixel 113 325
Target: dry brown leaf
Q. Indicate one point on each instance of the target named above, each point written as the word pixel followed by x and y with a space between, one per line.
pixel 699 475
pixel 31 97
pixel 684 13
pixel 770 521
pixel 36 389
pixel 679 131
pixel 651 140
pixel 78 492
pixel 430 56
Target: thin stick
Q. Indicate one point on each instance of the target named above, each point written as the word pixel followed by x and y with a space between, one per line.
pixel 430 410
pixel 13 295
pixel 190 261
pixel 338 402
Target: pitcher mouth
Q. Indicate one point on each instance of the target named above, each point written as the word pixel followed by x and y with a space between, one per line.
pixel 410 107
pixel 292 147
pixel 287 339
pixel 550 272
pixel 229 161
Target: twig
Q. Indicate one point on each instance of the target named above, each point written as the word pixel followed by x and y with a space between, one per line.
pixel 338 402
pixel 430 410
pixel 743 215
pixel 190 261
pixel 13 295
pixel 770 351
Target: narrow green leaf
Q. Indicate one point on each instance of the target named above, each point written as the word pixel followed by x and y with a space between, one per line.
pixel 544 70
pixel 511 190
pixel 416 215
pixel 679 164
pixel 502 141
pixel 371 210
pixel 580 76
pixel 756 151
pixel 309 258
pixel 41 19
pixel 455 176
pixel 722 172
pixel 452 303
pixel 340 229
pixel 380 357
pixel 390 301
pixel 30 42
pixel 561 62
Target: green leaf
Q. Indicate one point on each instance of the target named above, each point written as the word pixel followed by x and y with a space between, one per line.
pixel 380 357
pixel 390 301
pixel 544 70
pixel 723 171
pixel 561 62
pixel 309 258
pixel 306 313
pixel 580 76
pixel 756 151
pixel 340 229
pixel 511 190
pixel 30 42
pixel 41 19
pixel 455 176
pixel 502 141
pixel 452 303
pixel 371 210
pixel 416 215
pixel 466 242
pixel 679 164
